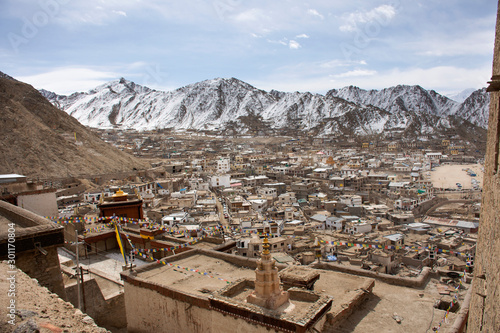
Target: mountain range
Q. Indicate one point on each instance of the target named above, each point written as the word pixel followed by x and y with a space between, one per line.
pixel 235 107
pixel 44 141
pixel 39 140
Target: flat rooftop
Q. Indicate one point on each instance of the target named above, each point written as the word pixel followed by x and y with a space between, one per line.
pixel 229 279
pixel 219 276
pixel 109 262
pixel 198 274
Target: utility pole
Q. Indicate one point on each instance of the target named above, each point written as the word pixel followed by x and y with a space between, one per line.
pixel 83 291
pixel 132 257
pixel 78 271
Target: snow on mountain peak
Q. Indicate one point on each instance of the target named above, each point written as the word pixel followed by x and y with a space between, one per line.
pixel 234 105
pixel 461 96
pixel 121 86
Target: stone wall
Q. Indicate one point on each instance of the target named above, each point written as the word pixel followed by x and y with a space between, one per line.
pixel 415 282
pixel 340 313
pixel 237 260
pixel 107 312
pixel 44 268
pixel 484 313
pixel 418 263
pixel 43 203
pixel 154 308
pixel 35 243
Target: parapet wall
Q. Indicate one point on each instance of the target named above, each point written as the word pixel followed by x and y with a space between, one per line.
pixel 415 282
pixel 107 312
pixel 34 241
pixel 24 218
pixel 342 312
pixel 236 259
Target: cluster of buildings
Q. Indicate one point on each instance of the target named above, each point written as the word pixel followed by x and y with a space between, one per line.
pixel 265 234
pixel 347 195
pixel 296 214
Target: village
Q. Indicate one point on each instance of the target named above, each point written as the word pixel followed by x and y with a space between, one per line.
pixel 229 166
pixel 388 210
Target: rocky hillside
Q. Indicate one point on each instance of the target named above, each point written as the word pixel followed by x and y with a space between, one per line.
pixel 39 140
pixel 475 108
pixel 39 310
pixel 420 102
pixel 231 105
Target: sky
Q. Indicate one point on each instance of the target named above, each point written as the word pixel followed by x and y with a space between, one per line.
pixel 67 46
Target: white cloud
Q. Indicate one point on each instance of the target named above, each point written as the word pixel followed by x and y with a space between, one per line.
pixel 282 42
pixel 302 36
pixel 477 42
pixel 340 63
pixel 252 15
pixel 437 78
pixel 137 65
pixel 66 80
pixel 314 12
pixel 356 72
pixel 257 21
pixel 382 15
pixel 120 12
pixel 294 45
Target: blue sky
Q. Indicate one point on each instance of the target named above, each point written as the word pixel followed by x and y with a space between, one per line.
pixel 67 46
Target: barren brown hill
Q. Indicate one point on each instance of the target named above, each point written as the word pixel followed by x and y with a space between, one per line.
pixel 38 140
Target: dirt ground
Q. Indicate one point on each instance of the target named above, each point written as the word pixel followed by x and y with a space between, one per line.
pixel 447 176
pixel 37 309
pixel 414 306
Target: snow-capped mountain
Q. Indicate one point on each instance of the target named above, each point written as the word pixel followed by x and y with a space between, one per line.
pixel 475 108
pixel 233 105
pixel 399 99
pixel 461 96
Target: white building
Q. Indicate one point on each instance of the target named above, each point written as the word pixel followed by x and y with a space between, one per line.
pixel 351 200
pixel 174 219
pixel 268 192
pixel 182 194
pixel 223 165
pixel 405 204
pixel 334 223
pixel 434 156
pixel 220 181
pixel 287 198
pixel 373 163
pixel 258 204
pixel 198 184
pixel 281 169
pixel 358 228
pixel 146 188
pixel 96 197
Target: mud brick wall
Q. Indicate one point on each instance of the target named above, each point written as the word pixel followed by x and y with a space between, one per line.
pixel 484 315
pixel 44 268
